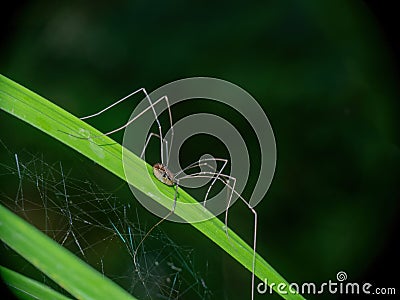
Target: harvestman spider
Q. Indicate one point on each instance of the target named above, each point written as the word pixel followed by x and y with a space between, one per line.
pixel 163 174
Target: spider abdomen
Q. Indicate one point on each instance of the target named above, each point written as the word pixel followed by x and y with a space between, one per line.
pixel 162 173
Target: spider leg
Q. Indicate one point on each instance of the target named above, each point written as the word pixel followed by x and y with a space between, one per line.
pixel 152 105
pixel 221 177
pixel 147 142
pixel 154 226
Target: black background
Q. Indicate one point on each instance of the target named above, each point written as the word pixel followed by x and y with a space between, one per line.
pixel 387 19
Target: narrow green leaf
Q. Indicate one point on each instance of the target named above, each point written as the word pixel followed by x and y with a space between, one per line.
pixel 28 288
pixel 63 126
pixel 67 270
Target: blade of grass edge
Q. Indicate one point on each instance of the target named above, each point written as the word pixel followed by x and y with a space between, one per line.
pixel 67 270
pixel 63 126
pixel 25 286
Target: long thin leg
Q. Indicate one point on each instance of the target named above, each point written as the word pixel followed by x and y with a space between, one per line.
pixel 220 177
pixel 171 128
pixel 141 113
pixel 215 179
pixel 154 226
pixel 217 176
pixel 126 124
pixel 202 162
pixel 148 140
pixel 198 163
pixel 115 103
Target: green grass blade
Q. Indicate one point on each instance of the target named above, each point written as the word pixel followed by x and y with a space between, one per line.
pixel 27 288
pixel 63 126
pixel 67 270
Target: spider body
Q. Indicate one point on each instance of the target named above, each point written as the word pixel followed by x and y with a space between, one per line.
pixel 163 174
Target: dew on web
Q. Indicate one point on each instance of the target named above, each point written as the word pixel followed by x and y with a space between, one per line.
pixel 98 228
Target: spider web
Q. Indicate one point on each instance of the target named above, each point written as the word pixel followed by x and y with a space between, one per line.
pixel 98 227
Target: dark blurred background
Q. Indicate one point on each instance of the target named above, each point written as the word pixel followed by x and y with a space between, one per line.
pixel 325 73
